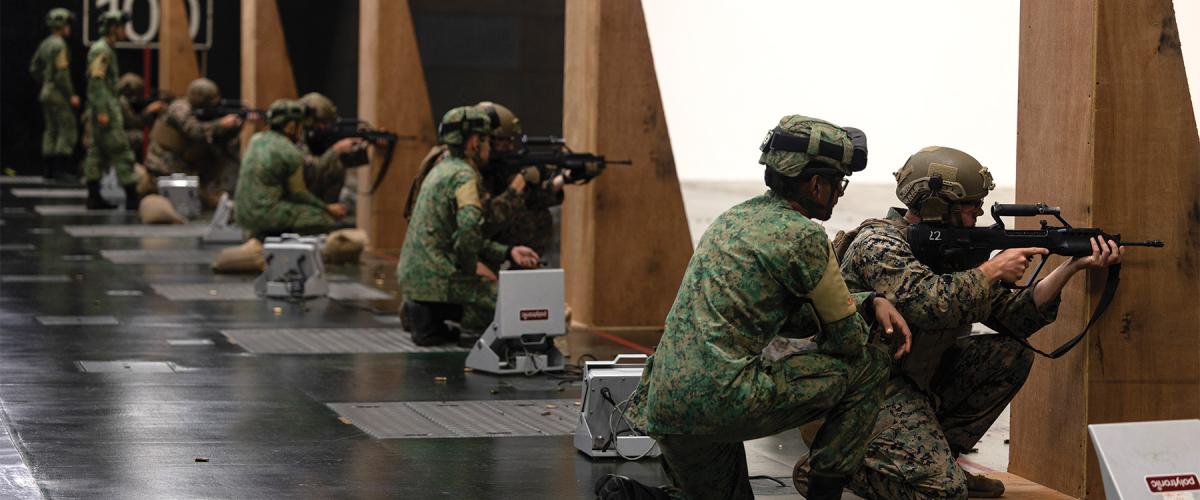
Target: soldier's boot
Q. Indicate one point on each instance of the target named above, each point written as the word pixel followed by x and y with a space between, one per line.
pixel 132 198
pixel 49 167
pixel 981 486
pixel 94 200
pixel 825 487
pixel 614 487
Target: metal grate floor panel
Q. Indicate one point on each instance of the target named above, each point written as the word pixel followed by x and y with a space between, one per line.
pixel 78 210
pixel 35 278
pixel 329 341
pixel 126 367
pixel 49 193
pixel 16 247
pixel 462 419
pixel 21 179
pixel 138 231
pixel 179 256
pixel 245 291
pixel 77 320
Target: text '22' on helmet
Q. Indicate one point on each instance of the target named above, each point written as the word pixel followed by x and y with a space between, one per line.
pixel 936 179
pixel 801 143
pixel 459 123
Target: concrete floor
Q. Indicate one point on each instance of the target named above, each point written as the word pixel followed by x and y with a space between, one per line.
pixel 221 422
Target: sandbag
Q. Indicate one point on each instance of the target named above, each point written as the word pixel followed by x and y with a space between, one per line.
pixel 244 258
pixel 344 245
pixel 157 209
pixel 145 181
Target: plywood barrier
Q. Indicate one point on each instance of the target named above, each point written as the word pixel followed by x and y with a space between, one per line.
pixel 1106 131
pixel 625 239
pixel 176 54
pixel 266 67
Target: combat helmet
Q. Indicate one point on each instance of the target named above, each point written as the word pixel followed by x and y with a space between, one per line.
pixel 459 123
pixel 130 84
pixel 802 143
pixel 323 109
pixel 203 93
pixel 504 123
pixel 935 179
pixel 59 17
pixel 111 18
pixel 286 110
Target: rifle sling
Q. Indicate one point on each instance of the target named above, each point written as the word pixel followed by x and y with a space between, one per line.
pixel 1110 290
pixel 383 168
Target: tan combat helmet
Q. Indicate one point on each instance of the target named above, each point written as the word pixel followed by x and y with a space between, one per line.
pixel 130 84
pixel 935 179
pixel 505 124
pixel 323 109
pixel 203 93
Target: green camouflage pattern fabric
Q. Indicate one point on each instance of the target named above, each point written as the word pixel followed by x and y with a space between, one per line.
pixel 50 67
pixel 325 174
pixel 731 364
pixel 445 239
pixel 264 199
pixel 182 143
pixel 109 146
pixel 951 387
pixel 525 218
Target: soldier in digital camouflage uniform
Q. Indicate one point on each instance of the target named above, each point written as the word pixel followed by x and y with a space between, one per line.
pixel 51 68
pixel 181 142
pixel 949 390
pixel 441 269
pixel 109 146
pixel 733 363
pixel 129 90
pixel 326 165
pixel 271 197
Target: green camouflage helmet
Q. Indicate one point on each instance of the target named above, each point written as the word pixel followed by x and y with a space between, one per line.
pixel 323 108
pixel 286 110
pixel 111 18
pixel 59 17
pixel 130 84
pixel 801 142
pixel 203 93
pixel 504 123
pixel 936 178
pixel 459 123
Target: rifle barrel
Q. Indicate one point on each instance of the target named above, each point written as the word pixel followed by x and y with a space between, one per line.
pixel 1148 243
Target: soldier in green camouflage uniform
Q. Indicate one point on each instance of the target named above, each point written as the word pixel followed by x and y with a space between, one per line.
pixel 952 387
pixel 109 145
pixel 129 90
pixel 51 68
pixel 326 165
pixel 271 197
pixel 441 269
pixel 182 142
pixel 733 363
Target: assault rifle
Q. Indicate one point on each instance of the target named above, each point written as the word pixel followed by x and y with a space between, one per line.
pixel 156 95
pixel 228 107
pixel 946 248
pixel 578 168
pixel 320 140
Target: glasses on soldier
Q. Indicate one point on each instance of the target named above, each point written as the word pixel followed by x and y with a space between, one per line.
pixel 974 206
pixel 840 184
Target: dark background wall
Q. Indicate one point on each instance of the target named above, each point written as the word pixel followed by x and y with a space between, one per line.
pixel 472 50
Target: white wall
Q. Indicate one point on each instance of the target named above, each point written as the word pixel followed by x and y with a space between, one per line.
pixel 910 74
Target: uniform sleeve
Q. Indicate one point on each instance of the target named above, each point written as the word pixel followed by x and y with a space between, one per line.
pixel 60 72
pixel 886 265
pixel 298 191
pixel 1017 313
pixel 543 195
pixel 100 97
pixel 468 231
pixel 501 209
pixel 318 169
pixel 180 114
pixel 812 273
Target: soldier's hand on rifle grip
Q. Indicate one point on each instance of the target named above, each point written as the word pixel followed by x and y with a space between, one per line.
pixel 518 183
pixel 1008 266
pixel 524 256
pixel 1104 253
pixel 888 318
pixel 229 121
pixel 344 146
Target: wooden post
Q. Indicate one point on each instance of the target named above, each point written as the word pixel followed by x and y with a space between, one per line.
pixel 625 239
pixel 1106 131
pixel 266 68
pixel 391 95
pixel 176 54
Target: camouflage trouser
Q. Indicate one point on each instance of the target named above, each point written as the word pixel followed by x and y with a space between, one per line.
pixel 846 393
pixel 62 132
pixel 288 217
pixel 479 313
pixel 913 448
pixel 109 148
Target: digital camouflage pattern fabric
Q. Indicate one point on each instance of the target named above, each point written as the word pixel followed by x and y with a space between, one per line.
pixel 271 196
pixel 523 218
pixel 731 365
pixel 50 67
pixel 325 174
pixel 182 143
pixel 951 387
pixel 445 239
pixel 109 144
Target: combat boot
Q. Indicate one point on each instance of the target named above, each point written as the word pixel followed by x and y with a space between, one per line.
pixel 825 487
pixel 94 200
pixel 614 487
pixel 132 198
pixel 981 486
pixel 49 167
